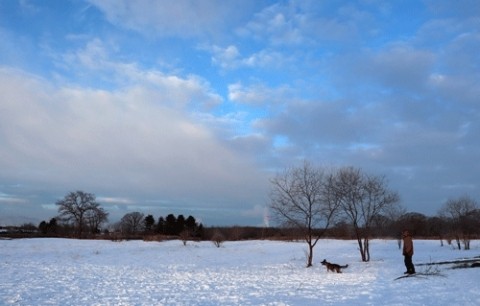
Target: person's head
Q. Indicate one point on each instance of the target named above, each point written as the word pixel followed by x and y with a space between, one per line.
pixel 405 233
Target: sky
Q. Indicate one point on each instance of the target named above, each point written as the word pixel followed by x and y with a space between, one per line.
pixel 191 107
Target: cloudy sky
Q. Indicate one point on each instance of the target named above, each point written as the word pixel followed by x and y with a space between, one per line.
pixel 190 107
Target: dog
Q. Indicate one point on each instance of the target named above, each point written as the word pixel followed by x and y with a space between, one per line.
pixel 333 267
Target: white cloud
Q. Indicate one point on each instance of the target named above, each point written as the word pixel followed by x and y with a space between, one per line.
pixel 115 143
pixel 94 56
pixel 230 58
pixel 97 59
pixel 301 23
pixel 115 200
pixel 9 199
pixel 259 94
pixel 264 58
pixel 226 58
pixel 183 18
pixel 278 23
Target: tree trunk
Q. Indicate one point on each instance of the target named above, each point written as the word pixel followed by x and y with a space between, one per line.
pixel 360 245
pixel 361 248
pixel 80 226
pixel 466 243
pixel 310 254
pixel 366 248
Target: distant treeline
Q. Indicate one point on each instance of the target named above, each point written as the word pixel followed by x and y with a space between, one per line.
pixel 80 216
pixel 137 226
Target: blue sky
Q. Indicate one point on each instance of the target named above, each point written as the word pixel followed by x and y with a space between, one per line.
pixel 190 107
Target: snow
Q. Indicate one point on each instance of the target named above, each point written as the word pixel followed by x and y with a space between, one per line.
pixel 260 272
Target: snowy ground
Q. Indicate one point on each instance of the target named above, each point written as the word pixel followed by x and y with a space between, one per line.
pixel 84 272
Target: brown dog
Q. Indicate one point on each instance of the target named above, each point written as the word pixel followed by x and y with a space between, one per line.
pixel 333 267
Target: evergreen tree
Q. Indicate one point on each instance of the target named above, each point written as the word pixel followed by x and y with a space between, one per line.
pixel 161 226
pixel 149 222
pixel 180 224
pixel 170 224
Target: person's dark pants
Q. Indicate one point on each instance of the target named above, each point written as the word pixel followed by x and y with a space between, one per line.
pixel 409 265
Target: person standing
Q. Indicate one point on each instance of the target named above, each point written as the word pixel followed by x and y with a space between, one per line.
pixel 408 252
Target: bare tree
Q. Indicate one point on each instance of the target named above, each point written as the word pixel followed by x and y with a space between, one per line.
pixel 460 212
pixel 300 199
pixel 132 222
pixel 77 207
pixel 362 198
pixel 218 238
pixel 95 217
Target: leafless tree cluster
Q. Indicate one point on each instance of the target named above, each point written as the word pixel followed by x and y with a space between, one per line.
pixel 313 198
pixel 132 223
pixel 462 216
pixel 81 210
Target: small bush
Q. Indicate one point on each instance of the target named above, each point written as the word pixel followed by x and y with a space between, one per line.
pixel 184 236
pixel 218 239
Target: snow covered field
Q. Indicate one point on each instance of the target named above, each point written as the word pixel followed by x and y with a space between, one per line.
pixel 92 272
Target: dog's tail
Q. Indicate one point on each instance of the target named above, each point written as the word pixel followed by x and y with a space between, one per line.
pixel 343 267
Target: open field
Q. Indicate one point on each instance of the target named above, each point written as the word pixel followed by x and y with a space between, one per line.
pixel 95 272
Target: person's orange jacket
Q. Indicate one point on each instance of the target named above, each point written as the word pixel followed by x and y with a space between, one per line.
pixel 407 244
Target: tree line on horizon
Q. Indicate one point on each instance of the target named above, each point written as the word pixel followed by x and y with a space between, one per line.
pixel 307 202
pixel 421 226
